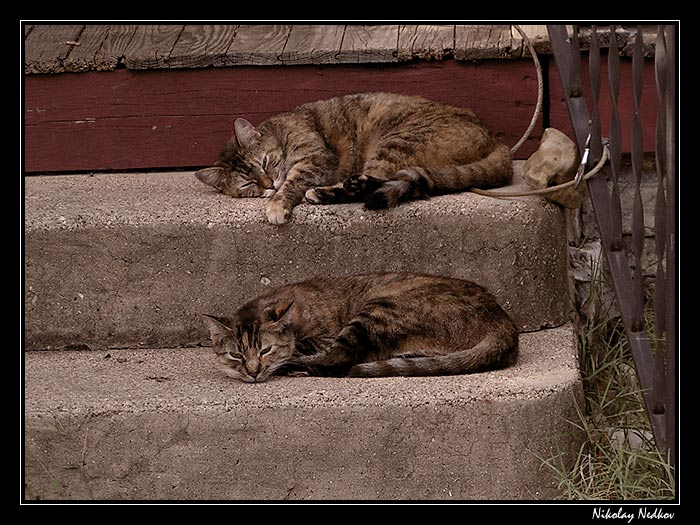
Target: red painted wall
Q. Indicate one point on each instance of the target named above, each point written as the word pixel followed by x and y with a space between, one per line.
pixel 124 119
pixel 128 119
pixel 559 115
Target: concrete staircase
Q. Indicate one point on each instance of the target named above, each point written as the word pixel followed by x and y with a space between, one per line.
pixel 121 265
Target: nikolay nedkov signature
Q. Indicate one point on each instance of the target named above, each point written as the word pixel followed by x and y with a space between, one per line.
pixel 656 513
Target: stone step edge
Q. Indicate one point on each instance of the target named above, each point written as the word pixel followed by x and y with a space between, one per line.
pixel 166 424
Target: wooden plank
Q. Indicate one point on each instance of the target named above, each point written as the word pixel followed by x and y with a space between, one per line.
pixel 537 34
pixel 477 42
pixel 101 48
pixel 257 45
pixel 136 120
pixel 369 43
pixel 82 57
pixel 114 47
pixel 202 46
pixel 313 44
pixel 425 42
pixel 46 47
pixel 151 45
pixel 625 35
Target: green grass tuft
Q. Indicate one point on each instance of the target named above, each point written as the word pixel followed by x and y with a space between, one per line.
pixel 618 459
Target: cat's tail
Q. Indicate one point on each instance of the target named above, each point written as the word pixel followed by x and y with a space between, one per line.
pixel 491 353
pixel 494 170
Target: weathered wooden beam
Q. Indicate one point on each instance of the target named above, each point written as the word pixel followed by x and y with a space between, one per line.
pixel 538 36
pixel 425 42
pixel 47 46
pixel 369 43
pixel 101 48
pixel 259 45
pixel 313 44
pixel 150 46
pixel 202 46
pixel 477 42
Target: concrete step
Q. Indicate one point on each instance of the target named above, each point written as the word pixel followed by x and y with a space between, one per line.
pixel 166 424
pixel 131 260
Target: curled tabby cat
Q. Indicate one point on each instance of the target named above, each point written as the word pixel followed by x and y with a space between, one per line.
pixel 379 148
pixel 373 325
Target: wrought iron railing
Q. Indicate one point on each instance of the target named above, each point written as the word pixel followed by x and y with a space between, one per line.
pixel 655 363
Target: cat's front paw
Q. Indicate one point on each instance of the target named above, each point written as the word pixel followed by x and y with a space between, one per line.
pixel 311 196
pixel 298 373
pixel 326 195
pixel 277 212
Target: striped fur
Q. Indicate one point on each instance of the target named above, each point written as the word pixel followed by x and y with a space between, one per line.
pixel 373 325
pixel 379 148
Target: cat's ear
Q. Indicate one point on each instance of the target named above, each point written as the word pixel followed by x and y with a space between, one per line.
pixel 274 313
pixel 214 176
pixel 218 328
pixel 246 134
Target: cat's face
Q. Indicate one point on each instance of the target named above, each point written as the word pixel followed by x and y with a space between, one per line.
pixel 251 350
pixel 249 165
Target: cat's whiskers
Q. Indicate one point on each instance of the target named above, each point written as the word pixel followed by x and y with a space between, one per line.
pixel 232 373
pixel 274 367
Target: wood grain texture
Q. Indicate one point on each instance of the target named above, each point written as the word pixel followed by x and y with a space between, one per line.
pixel 47 46
pixel 151 45
pixel 202 46
pixel 313 44
pixel 257 45
pixel 425 42
pixel 101 48
pixel 369 44
pixel 83 57
pixel 478 42
pixel 538 35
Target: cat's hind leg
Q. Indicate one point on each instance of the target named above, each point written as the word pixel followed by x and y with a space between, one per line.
pixel 406 184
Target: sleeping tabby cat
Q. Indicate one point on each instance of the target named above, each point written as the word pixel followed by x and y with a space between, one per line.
pixel 374 325
pixel 379 148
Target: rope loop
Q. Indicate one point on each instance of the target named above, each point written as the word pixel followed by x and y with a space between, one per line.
pixel 540 91
pixel 551 189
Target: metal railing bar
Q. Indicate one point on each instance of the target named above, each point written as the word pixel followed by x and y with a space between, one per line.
pixel 637 154
pixel 615 144
pixel 660 204
pixel 607 209
pixel 671 232
pixel 594 76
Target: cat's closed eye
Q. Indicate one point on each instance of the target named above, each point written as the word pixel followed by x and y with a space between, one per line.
pixel 265 350
pixel 235 356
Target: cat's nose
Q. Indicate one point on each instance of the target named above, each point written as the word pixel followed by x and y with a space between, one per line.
pixel 253 367
pixel 267 182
